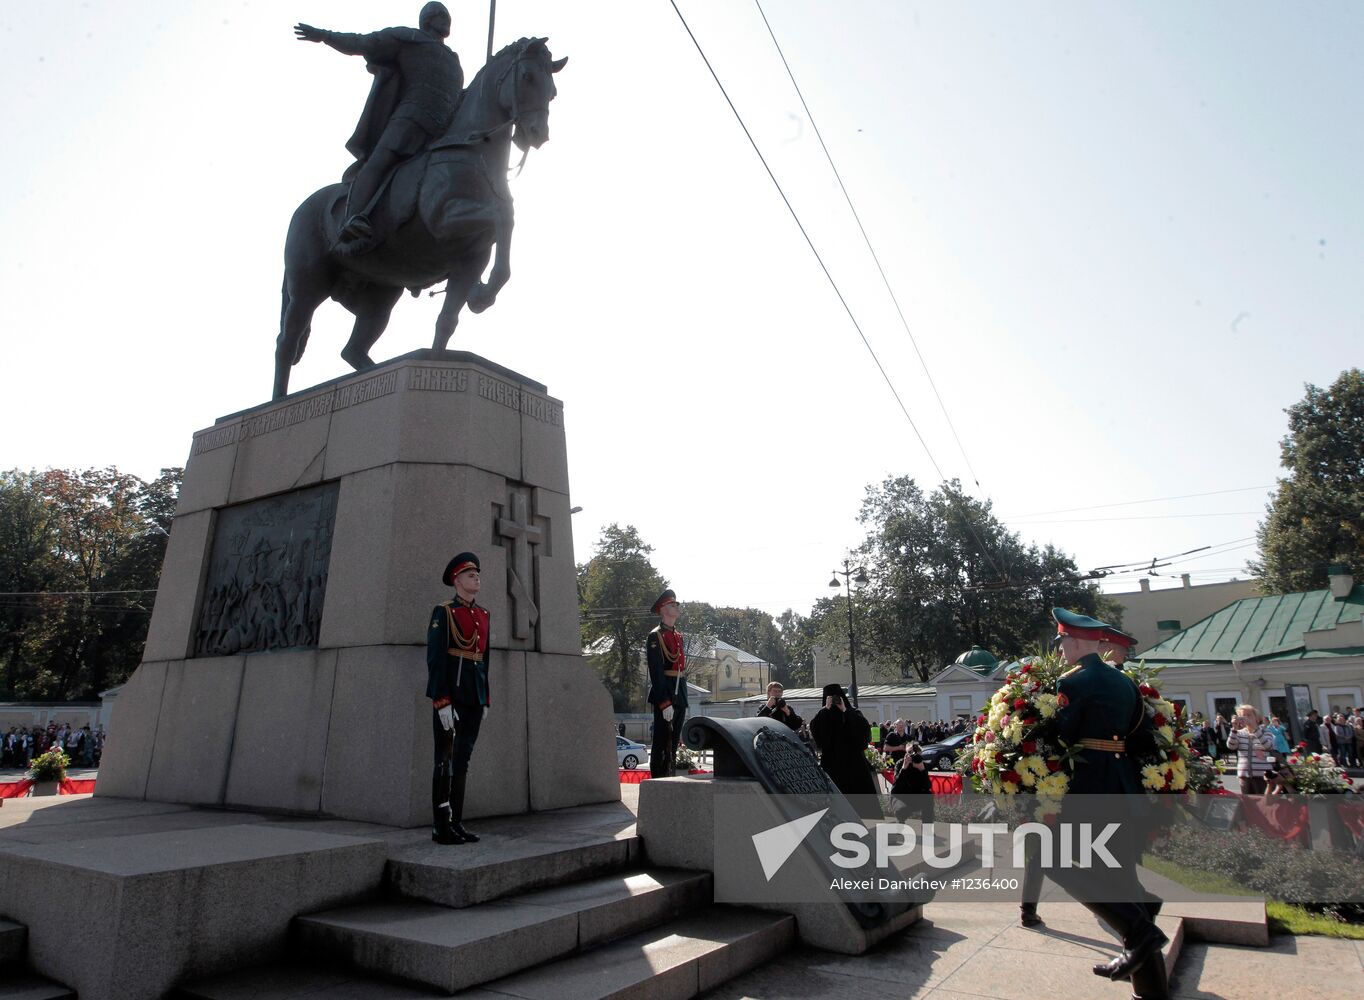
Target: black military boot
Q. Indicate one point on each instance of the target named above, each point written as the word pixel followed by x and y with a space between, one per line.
pixel 1027 915
pixel 457 784
pixel 1141 938
pixel 441 831
pixel 1149 981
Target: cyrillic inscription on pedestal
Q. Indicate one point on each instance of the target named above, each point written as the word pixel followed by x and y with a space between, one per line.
pixel 267 575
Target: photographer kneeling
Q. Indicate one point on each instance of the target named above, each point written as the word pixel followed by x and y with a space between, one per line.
pixel 912 793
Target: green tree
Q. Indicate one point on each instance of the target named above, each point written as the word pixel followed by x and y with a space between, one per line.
pixel 616 589
pixel 798 639
pixel 80 555
pixel 945 574
pixel 1316 516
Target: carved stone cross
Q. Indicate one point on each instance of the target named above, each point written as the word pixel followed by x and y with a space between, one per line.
pixel 522 534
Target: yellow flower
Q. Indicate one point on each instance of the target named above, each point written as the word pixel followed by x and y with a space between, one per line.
pixel 1153 777
pixel 1167 732
pixel 1053 785
pixel 1046 705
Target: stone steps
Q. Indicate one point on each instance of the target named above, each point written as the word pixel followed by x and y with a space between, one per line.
pixel 16 982
pixel 13 939
pixel 451 949
pixel 682 958
pixel 28 986
pixel 498 867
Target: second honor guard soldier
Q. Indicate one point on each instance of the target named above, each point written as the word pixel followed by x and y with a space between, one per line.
pixel 457 684
pixel 1103 713
pixel 667 684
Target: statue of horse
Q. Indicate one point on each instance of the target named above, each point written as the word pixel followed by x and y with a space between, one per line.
pixel 438 217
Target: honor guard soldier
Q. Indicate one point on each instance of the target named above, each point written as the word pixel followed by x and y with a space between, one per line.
pixel 457 684
pixel 1103 714
pixel 667 684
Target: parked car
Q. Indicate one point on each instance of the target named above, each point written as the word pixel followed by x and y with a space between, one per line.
pixel 630 754
pixel 943 756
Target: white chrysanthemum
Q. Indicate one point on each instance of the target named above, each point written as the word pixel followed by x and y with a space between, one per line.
pixel 1046 704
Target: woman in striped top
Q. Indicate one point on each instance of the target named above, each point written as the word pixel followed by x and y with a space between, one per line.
pixel 1252 742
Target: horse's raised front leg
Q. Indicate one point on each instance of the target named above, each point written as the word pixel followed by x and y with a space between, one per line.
pixel 484 294
pixel 372 308
pixel 457 287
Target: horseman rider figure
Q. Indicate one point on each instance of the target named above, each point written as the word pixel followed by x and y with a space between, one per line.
pixel 417 87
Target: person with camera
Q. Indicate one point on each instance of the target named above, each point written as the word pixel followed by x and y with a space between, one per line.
pixel 776 708
pixel 1252 743
pixel 912 793
pixel 842 734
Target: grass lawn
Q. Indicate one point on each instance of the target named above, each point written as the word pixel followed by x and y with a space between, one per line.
pixel 1283 918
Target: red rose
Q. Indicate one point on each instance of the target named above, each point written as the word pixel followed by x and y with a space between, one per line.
pixel 1302 746
pixel 1020 703
pixel 1030 746
pixel 1026 668
pixel 1062 700
pixel 1053 765
pixel 1159 719
pixel 1010 776
pixel 981 720
pixel 1147 690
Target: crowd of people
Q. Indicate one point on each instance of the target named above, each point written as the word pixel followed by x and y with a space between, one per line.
pixel 1261 747
pixel 83 745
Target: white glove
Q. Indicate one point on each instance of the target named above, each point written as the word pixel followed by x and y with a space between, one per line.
pixel 447 717
pixel 485 711
pixel 668 714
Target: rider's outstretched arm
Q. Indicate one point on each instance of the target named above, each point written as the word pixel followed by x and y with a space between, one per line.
pixel 376 46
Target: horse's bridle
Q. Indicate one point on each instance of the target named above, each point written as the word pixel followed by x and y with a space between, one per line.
pixel 512 122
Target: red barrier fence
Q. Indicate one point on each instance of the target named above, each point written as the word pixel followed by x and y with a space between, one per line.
pixel 69 786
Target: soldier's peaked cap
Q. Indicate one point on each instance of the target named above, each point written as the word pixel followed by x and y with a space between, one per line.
pixel 457 565
pixel 663 599
pixel 1085 627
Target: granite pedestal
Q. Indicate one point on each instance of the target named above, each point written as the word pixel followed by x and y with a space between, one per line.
pixel 405 464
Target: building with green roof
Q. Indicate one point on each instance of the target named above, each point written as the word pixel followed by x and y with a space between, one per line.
pixel 1248 651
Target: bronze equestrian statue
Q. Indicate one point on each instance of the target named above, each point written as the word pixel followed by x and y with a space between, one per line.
pixel 427 198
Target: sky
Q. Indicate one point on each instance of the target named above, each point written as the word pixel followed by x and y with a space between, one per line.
pixel 1122 237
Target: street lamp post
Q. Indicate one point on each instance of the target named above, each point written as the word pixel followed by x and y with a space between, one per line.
pixel 858 575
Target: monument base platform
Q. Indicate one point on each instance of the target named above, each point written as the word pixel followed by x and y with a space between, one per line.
pixel 285 664
pixel 214 904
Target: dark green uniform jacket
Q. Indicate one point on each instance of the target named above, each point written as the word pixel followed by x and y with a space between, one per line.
pixel 1103 703
pixel 461 678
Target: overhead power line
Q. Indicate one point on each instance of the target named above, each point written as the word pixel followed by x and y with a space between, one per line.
pixel 870 248
pixel 829 277
pixel 1136 517
pixel 1133 503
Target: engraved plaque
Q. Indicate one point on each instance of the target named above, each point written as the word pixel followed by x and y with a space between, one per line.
pixel 267 574
pixel 789 767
